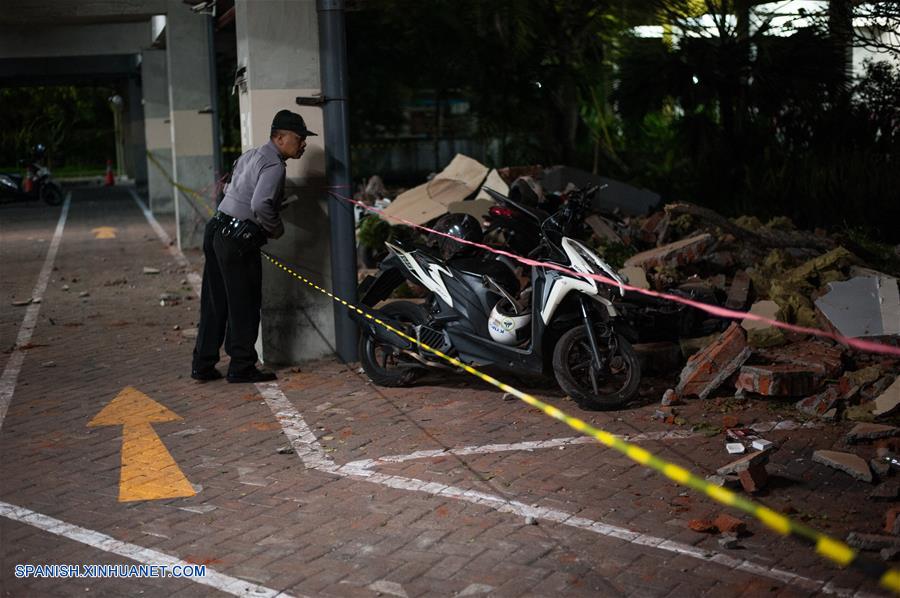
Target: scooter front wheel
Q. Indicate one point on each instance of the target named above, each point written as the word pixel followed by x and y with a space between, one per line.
pixel 52 194
pixel 612 385
pixel 380 362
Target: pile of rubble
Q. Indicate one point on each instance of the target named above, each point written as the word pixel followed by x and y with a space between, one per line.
pixel 773 271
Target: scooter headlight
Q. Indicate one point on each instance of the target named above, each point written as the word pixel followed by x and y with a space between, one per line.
pixel 593 264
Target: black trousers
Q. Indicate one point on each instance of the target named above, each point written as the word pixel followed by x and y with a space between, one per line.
pixel 229 303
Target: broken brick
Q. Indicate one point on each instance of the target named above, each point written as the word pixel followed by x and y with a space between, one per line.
pixel 754 478
pixel 849 463
pixel 730 525
pixel 823 359
pixel 819 404
pixel 709 368
pixel 739 291
pixel 670 399
pixel 704 526
pixel 651 227
pixel 744 463
pixel 891 521
pixel 679 253
pixel 777 380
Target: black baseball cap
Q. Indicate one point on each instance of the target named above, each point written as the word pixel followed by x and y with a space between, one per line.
pixel 291 121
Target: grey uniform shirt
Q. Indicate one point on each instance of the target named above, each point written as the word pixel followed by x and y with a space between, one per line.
pixel 256 190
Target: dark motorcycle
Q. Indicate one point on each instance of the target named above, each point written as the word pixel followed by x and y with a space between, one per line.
pixel 35 184
pixel 560 324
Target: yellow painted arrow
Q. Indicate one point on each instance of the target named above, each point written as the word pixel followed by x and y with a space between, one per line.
pixel 148 470
pixel 105 232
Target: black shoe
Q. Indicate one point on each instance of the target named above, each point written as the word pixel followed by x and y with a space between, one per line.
pixel 206 375
pixel 253 375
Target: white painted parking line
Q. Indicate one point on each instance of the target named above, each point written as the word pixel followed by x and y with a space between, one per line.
pixel 147 556
pixel 14 364
pixel 193 278
pixel 533 445
pixel 504 505
pixel 302 439
pixel 310 452
pixel 307 447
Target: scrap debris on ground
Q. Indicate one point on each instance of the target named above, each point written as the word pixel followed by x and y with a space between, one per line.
pixel 811 279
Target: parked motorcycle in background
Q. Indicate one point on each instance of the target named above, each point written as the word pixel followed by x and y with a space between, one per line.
pixel 36 183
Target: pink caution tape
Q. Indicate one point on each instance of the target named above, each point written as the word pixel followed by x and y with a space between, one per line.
pixel 862 345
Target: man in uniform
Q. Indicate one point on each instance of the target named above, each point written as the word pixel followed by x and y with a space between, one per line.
pixel 232 275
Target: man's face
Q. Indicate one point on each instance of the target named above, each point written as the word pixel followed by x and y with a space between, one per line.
pixel 291 144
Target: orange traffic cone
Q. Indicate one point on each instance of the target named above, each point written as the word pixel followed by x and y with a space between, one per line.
pixel 27 182
pixel 110 179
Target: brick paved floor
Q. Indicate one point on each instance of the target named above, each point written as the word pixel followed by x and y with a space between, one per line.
pixel 372 519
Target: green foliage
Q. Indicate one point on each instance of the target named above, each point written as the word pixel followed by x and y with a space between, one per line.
pixel 374 232
pixel 74 123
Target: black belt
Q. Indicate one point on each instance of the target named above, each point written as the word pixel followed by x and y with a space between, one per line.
pixel 245 232
pixel 227 220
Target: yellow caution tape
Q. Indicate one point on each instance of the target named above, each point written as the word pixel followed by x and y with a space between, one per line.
pixel 188 192
pixel 832 549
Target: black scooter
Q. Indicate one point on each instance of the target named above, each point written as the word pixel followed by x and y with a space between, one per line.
pixel 14 187
pixel 563 325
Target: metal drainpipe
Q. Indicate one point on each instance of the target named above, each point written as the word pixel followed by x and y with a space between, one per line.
pixel 214 96
pixel 333 64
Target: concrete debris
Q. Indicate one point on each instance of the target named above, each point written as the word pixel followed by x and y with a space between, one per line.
pixel 872 541
pixel 819 404
pixel 863 306
pixel 602 229
pixel 670 399
pixel 761 334
pixel 460 179
pixel 888 401
pixel 851 464
pixel 679 253
pixel 636 276
pixel 863 432
pixel 739 292
pixel 880 467
pixel 744 463
pixel 22 303
pixel 777 380
pixel 708 369
pixel 887 491
pixel 734 448
pixel 729 541
pixel 149 270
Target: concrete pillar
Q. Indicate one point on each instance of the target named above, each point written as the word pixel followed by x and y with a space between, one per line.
pixel 192 129
pixel 157 132
pixel 135 143
pixel 278 45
